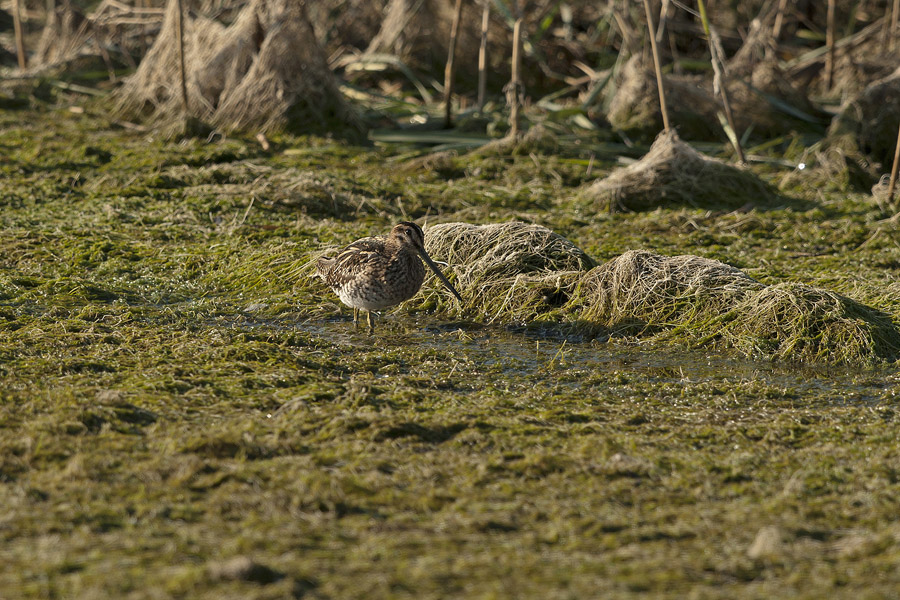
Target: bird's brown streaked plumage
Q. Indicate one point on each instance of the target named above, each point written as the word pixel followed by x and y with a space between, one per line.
pixel 375 273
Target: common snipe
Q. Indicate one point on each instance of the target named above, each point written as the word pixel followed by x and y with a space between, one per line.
pixel 375 273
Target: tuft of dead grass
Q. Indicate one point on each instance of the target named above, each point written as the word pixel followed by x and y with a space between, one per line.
pixel 706 302
pixel 640 289
pixel 867 123
pixel 502 249
pixel 634 103
pixel 516 272
pixel 673 173
pixel 798 322
pixel 264 71
pixel 505 271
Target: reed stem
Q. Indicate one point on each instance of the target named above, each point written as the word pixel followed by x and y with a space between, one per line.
pixel 892 186
pixel 179 26
pixel 482 56
pixel 515 84
pixel 659 78
pixel 829 42
pixel 448 71
pixel 20 36
pixel 719 81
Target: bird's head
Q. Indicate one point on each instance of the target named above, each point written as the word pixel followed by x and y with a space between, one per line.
pixel 409 233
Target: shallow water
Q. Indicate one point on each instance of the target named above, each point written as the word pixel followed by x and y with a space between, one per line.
pixel 517 352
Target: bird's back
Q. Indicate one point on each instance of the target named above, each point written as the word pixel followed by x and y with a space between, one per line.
pixel 372 274
pixel 350 262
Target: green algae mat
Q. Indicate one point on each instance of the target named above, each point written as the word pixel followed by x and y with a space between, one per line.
pixel 682 402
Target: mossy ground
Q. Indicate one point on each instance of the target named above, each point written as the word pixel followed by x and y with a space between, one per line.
pixel 173 396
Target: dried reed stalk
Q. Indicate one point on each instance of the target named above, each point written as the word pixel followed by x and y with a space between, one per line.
pixel 20 38
pixel 893 184
pixel 779 20
pixel 448 71
pixel 895 17
pixel 829 42
pixel 659 79
pixel 514 88
pixel 719 82
pixel 482 56
pixel 179 26
pixel 886 25
pixel 663 18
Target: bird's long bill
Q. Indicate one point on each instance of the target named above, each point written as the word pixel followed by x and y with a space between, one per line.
pixel 437 272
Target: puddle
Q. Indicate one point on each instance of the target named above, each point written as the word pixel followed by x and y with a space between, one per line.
pixel 529 353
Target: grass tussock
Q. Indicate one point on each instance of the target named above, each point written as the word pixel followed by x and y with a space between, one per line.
pixel 867 123
pixel 640 290
pixel 512 272
pixel 634 103
pixel 673 173
pixel 506 271
pixel 501 249
pixel 711 302
pixel 235 78
pixel 793 321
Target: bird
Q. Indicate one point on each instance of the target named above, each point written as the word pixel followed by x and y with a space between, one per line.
pixel 374 273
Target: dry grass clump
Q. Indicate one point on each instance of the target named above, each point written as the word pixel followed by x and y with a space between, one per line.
pixel 417 32
pixel 673 173
pixel 310 191
pixel 861 59
pixel 640 290
pixel 854 71
pixel 501 249
pixel 346 23
pixel 860 142
pixel 264 71
pixel 510 271
pixel 761 93
pixel 762 98
pixel 868 123
pixel 706 301
pixel 537 139
pixel 64 36
pixel 793 321
pixel 634 104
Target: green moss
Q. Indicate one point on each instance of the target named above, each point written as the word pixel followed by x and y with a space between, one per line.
pixel 176 390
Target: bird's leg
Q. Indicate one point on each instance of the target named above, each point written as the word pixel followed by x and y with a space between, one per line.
pixel 355 318
pixel 370 321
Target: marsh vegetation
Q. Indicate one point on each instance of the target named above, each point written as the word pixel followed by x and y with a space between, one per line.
pixel 675 395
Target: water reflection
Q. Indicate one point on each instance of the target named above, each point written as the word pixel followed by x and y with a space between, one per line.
pixel 572 360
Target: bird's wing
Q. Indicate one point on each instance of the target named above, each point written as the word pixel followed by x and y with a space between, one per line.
pixel 354 260
pixel 366 244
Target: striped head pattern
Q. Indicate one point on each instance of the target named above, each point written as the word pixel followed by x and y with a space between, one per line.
pixel 408 231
